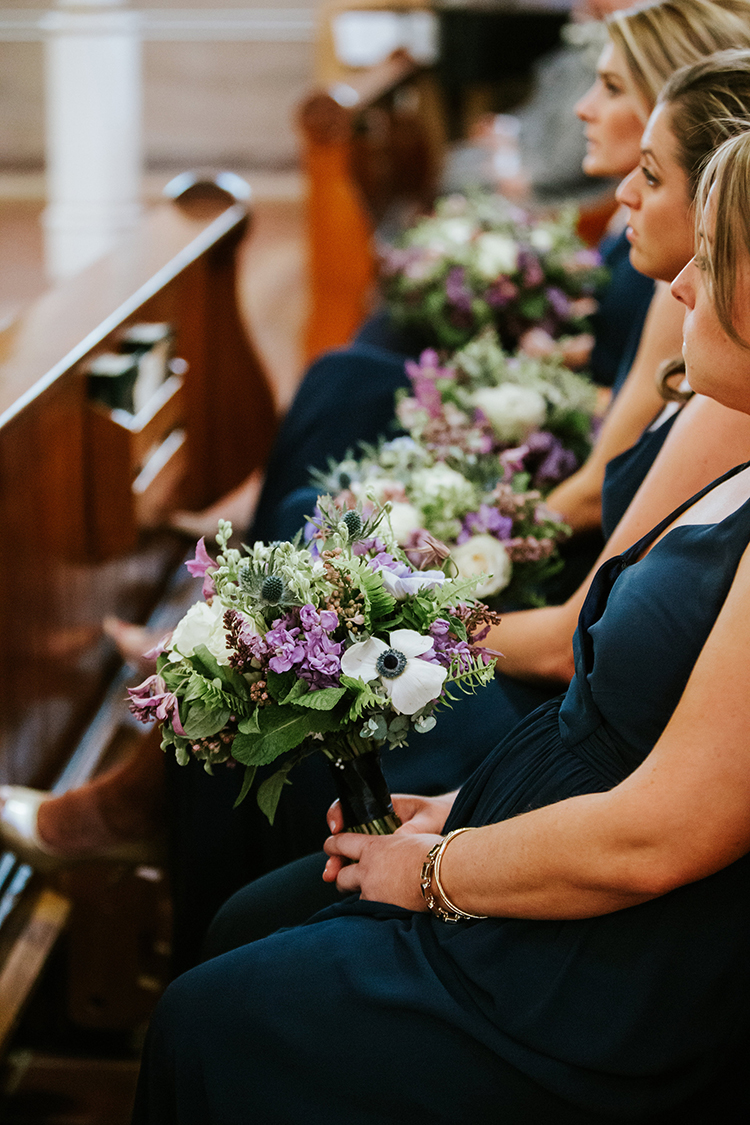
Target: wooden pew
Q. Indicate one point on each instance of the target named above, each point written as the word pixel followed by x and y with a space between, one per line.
pixel 83 492
pixel 370 144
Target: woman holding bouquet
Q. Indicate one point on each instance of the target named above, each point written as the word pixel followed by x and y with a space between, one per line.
pixel 596 866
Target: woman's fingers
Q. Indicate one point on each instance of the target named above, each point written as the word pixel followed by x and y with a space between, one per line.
pixel 335 818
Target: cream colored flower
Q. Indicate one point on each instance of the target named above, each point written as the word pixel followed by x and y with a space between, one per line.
pixel 512 411
pixel 201 625
pixel 495 254
pixel 483 554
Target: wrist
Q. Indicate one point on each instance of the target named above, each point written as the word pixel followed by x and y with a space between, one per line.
pixel 433 892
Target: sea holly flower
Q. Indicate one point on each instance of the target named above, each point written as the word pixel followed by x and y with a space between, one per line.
pixel 410 683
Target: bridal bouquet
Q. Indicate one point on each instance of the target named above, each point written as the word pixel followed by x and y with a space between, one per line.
pixel 493 415
pixel 481 261
pixel 340 647
pixel 504 537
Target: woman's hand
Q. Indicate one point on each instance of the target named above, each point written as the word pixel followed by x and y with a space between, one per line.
pixel 389 871
pixel 381 868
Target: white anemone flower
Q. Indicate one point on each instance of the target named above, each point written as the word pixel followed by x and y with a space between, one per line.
pixel 409 682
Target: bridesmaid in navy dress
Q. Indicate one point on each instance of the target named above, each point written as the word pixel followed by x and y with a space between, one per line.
pixel 596 866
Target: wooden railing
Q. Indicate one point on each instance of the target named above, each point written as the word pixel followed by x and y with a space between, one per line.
pixel 84 490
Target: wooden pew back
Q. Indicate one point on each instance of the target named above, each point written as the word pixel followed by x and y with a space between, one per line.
pixel 370 144
pixel 83 489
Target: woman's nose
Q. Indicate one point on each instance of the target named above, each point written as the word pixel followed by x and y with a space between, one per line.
pixel 683 287
pixel 626 191
pixel 585 105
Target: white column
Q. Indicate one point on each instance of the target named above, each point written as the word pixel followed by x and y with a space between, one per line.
pixel 93 120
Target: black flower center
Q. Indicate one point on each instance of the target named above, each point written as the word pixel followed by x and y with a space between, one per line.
pixel 272 588
pixel 390 663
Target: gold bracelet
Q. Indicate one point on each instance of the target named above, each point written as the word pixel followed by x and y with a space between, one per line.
pixel 442 907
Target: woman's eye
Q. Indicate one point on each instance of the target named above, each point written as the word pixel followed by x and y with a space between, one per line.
pixel 612 90
pixel 701 262
pixel 649 177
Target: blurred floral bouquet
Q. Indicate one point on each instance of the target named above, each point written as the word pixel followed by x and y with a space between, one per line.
pixel 480 261
pixel 343 648
pixel 483 410
pixel 443 516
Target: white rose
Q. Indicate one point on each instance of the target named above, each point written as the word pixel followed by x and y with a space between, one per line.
pixel 435 482
pixel 483 554
pixel 404 519
pixel 444 235
pixel 512 411
pixel 541 240
pixel 495 254
pixel 201 625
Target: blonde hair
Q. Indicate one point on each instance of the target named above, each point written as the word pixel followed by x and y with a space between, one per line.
pixel 658 37
pixel 728 173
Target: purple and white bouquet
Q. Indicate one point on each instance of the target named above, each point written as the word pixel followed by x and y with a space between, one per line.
pixel 504 537
pixel 480 260
pixel 497 417
pixel 340 647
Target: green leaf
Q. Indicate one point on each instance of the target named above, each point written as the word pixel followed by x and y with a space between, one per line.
pixel 202 722
pixel 457 627
pixel 281 729
pixel 296 691
pixel 280 684
pixel 270 791
pixel 247 782
pixel 322 700
pixel 250 724
pixel 206 663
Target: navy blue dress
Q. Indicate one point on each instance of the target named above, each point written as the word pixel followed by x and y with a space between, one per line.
pixel 370 1014
pixel 218 849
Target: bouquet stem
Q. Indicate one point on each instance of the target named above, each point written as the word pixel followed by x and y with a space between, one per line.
pixel 361 787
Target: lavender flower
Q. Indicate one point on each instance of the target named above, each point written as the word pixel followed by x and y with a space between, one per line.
pixel 151 700
pixel 487 519
pixel 199 567
pixel 458 292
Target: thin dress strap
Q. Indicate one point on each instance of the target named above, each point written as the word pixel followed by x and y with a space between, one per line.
pixel 646 540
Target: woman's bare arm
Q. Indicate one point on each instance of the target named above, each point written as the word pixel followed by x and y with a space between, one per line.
pixel 579 498
pixel 706 441
pixel 682 815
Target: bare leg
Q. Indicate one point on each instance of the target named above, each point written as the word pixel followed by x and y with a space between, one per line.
pixel 237 506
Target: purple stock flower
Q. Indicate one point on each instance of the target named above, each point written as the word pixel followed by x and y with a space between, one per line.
pixel 446 648
pixel 287 648
pixel 457 290
pixel 501 293
pixel 559 301
pixel 487 519
pixel 532 272
pixel 200 565
pixel 151 700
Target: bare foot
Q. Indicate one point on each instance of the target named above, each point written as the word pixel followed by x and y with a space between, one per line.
pixel 135 643
pixel 237 506
pixel 122 806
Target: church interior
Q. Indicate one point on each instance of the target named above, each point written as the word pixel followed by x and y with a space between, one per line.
pixel 219 173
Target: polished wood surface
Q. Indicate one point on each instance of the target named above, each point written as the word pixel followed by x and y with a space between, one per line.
pixel 77 540
pixel 370 147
